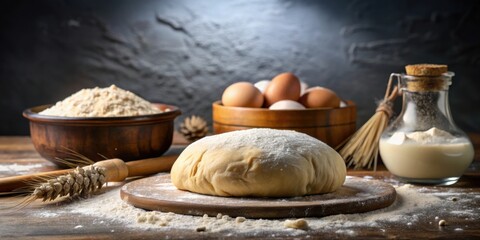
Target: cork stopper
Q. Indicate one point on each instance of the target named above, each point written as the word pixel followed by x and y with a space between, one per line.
pixel 426 77
pixel 426 70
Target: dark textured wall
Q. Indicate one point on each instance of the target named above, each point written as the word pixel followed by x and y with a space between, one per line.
pixel 186 52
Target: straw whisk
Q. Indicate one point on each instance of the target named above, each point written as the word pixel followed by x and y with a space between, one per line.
pixel 361 149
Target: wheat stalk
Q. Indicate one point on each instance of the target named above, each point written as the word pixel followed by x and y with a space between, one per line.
pixel 361 149
pixel 79 182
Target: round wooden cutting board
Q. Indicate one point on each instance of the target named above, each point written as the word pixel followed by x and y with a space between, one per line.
pixel 355 196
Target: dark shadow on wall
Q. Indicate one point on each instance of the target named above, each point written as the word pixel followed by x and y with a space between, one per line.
pixel 186 52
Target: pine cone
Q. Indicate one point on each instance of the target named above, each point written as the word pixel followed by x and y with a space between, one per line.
pixel 193 128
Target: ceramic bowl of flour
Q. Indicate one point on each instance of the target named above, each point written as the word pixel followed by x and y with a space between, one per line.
pixel 126 137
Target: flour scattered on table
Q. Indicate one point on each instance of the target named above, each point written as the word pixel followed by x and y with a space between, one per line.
pixel 19 168
pixel 102 102
pixel 412 206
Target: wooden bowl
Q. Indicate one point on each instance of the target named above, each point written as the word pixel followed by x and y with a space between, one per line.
pixel 127 138
pixel 330 125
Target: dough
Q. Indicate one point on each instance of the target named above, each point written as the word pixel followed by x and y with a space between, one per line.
pixel 260 163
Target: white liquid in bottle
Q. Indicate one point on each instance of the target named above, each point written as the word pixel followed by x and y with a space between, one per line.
pixel 432 154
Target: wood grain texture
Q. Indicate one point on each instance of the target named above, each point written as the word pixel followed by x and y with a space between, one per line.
pixel 355 196
pixel 127 138
pixel 24 224
pixel 330 125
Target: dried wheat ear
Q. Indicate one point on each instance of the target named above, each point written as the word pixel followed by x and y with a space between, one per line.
pixel 79 182
pixel 82 181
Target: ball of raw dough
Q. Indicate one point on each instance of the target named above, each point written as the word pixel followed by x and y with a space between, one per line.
pixel 260 163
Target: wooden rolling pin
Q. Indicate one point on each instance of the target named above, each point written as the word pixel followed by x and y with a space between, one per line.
pixel 116 170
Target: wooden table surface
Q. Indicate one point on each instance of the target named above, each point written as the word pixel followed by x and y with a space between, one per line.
pixel 22 223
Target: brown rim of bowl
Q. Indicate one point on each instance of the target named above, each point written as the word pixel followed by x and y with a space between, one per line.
pixel 32 115
pixel 349 103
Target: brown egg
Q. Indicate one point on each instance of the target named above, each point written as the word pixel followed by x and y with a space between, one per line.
pixel 242 94
pixel 286 105
pixel 316 97
pixel 284 86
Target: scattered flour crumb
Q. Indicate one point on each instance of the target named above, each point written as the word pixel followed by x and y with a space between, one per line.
pixel 296 224
pixel 240 219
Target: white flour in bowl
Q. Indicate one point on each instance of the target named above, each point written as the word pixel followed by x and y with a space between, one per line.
pixel 102 102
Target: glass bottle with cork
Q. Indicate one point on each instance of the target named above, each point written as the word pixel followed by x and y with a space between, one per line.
pixel 423 145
